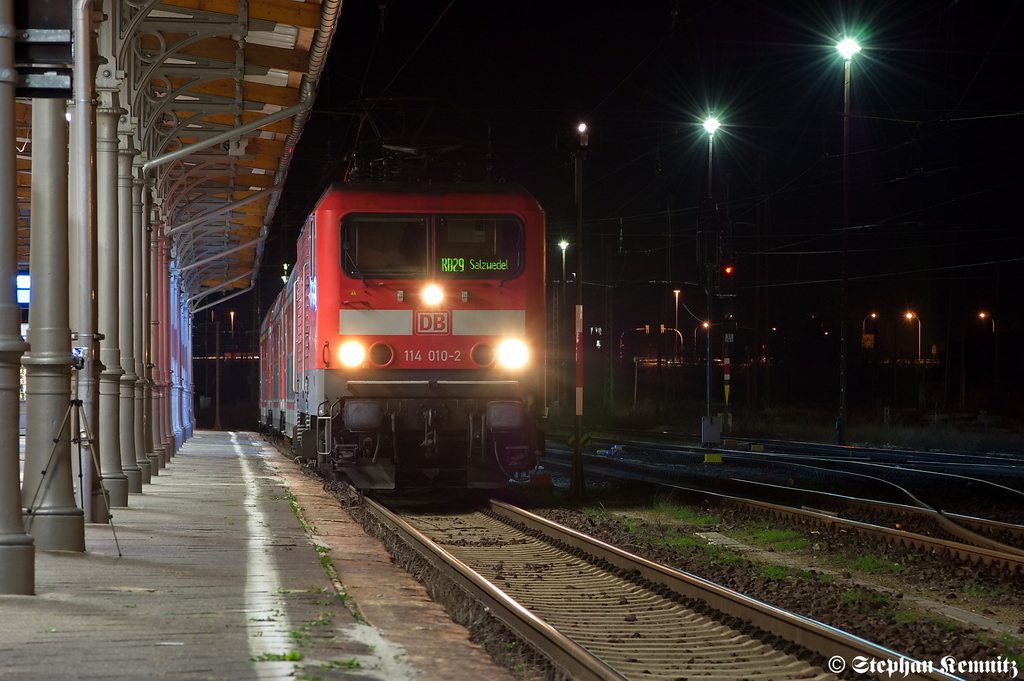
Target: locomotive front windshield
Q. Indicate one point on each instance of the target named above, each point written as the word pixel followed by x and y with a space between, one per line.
pixel 464 246
pixel 385 247
pixel 468 247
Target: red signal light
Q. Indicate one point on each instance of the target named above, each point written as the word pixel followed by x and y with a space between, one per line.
pixel 727 269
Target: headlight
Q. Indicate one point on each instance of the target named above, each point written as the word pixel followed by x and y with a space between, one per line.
pixel 432 295
pixel 351 354
pixel 512 353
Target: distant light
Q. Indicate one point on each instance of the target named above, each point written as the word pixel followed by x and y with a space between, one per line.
pixel 706 325
pixel 980 314
pixel 563 245
pixel 711 124
pixel 848 48
pixel 582 127
pixel 909 315
pixel 23 286
pixel 728 269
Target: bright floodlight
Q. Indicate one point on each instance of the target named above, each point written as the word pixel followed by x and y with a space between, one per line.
pixel 563 245
pixel 582 127
pixel 848 48
pixel 711 124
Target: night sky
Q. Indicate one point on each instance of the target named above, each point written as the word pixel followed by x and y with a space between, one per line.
pixel 935 140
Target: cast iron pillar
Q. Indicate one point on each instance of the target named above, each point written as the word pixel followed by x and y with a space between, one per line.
pixel 52 515
pixel 114 478
pixel 17 554
pixel 139 255
pixel 126 312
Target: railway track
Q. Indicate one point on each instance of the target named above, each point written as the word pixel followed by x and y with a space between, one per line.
pixel 966 545
pixel 600 613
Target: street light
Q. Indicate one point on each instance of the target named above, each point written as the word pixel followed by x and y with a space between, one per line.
pixel 675 292
pixel 847 47
pixel 984 315
pixel 711 124
pixel 910 316
pixel 577 484
pixel 873 315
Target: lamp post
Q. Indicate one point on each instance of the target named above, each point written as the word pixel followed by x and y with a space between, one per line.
pixel 995 354
pixel 710 125
pixel 577 485
pixel 675 292
pixel 910 316
pixel 848 47
pixel 560 391
pixel 863 329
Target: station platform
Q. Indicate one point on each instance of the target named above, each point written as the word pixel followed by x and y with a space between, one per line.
pixel 210 573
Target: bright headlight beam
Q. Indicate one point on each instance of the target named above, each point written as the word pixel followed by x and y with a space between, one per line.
pixel 512 353
pixel 432 295
pixel 351 354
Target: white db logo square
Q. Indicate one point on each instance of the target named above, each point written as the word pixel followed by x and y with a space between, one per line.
pixel 433 322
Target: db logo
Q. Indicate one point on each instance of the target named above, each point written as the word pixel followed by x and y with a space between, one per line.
pixel 433 322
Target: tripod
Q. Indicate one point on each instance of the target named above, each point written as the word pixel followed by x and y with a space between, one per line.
pixel 81 436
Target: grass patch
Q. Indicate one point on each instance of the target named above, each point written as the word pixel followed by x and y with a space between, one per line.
pixel 679 542
pixel 632 525
pixel 685 515
pixel 852 596
pixel 873 564
pixel 779 539
pixel 290 656
pixel 773 571
pixel 718 553
pixel 906 616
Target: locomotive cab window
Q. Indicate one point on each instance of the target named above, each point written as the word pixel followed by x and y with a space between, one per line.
pixel 478 247
pixel 384 247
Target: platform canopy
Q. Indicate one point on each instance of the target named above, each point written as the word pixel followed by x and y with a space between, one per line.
pixel 214 95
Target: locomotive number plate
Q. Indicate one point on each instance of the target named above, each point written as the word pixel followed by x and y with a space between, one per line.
pixel 432 355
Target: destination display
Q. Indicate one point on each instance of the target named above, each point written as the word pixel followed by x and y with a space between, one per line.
pixel 457 265
pixel 478 247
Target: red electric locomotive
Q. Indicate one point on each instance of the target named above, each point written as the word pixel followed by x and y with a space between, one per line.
pixel 406 349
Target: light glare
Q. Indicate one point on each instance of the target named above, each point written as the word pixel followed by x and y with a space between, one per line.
pixel 582 127
pixel 711 124
pixel 432 295
pixel 848 48
pixel 351 354
pixel 512 353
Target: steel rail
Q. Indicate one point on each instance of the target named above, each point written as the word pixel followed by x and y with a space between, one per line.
pixel 816 636
pixel 987 551
pixel 563 651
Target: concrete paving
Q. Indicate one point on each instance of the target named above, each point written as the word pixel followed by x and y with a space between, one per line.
pixel 211 574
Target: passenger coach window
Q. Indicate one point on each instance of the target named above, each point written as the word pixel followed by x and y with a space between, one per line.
pixel 384 247
pixel 478 247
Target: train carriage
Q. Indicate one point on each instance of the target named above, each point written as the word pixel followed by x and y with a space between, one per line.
pixel 411 332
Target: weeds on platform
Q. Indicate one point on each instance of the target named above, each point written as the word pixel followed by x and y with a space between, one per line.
pixel 290 656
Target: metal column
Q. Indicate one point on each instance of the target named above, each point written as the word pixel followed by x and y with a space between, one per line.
pixel 113 476
pixel 126 314
pixel 17 554
pixel 155 423
pixel 139 255
pixel 48 494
